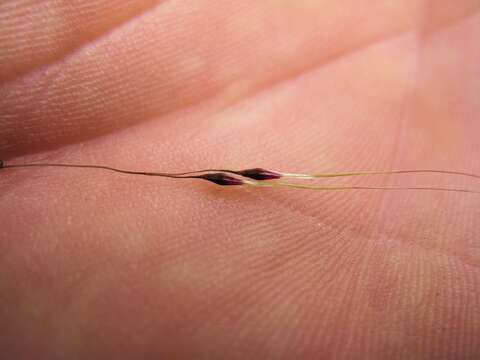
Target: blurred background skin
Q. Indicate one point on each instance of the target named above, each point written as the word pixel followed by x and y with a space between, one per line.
pixel 97 265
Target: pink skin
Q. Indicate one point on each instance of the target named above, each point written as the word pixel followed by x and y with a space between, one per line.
pixel 97 265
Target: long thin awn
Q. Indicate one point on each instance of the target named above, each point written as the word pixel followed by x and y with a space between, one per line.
pixel 260 177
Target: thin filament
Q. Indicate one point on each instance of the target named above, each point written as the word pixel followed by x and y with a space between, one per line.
pixel 343 188
pixel 129 172
pixel 226 180
pixel 215 177
pixel 284 175
pixel 389 172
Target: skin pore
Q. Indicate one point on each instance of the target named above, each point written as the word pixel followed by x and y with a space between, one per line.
pixel 97 266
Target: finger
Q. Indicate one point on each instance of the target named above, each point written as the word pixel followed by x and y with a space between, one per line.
pixel 175 56
pixel 243 274
pixel 35 33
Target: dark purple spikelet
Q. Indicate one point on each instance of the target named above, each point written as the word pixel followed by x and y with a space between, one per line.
pixel 260 174
pixel 1 164
pixel 221 179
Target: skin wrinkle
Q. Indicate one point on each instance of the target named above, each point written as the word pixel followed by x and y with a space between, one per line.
pixel 402 123
pixel 299 288
pixel 369 238
pixel 250 93
pixel 346 296
pixel 115 27
pixel 272 84
pixel 349 297
pixel 71 49
pixel 457 203
pixel 373 238
pixel 340 205
pixel 269 85
pixel 426 111
pixel 288 77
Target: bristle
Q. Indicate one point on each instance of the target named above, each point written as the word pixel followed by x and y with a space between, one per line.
pixel 393 172
pixel 255 176
pixel 343 188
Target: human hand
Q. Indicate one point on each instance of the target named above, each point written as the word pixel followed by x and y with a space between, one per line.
pixel 98 265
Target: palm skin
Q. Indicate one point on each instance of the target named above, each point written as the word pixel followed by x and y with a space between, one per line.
pixel 97 265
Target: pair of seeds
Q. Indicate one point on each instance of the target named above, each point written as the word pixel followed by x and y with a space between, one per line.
pixel 262 178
